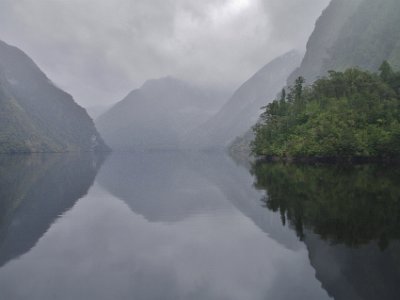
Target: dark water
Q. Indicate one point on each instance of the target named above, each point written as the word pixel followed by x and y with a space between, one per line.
pixel 169 225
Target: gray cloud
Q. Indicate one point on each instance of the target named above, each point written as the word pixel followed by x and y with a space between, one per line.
pixel 98 50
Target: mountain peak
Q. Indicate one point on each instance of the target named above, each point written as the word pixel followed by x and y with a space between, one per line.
pixel 162 81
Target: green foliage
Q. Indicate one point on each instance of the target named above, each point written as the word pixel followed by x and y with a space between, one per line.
pixel 18 134
pixel 347 114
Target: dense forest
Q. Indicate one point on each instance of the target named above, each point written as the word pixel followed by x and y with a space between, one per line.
pixel 347 114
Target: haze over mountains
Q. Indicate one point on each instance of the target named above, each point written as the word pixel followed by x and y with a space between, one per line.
pixel 343 37
pixel 164 217
pixel 351 33
pixel 158 115
pixel 37 116
pixel 99 50
pixel 244 108
pixel 169 113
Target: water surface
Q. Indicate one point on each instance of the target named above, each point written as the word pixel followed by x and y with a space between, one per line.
pixel 173 225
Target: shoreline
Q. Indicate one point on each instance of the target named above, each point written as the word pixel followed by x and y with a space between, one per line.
pixel 331 160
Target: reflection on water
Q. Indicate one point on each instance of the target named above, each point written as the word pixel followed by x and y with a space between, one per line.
pixel 349 219
pixel 173 186
pixel 172 225
pixel 161 186
pixel 153 226
pixel 35 190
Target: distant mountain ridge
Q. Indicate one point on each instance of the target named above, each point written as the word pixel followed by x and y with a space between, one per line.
pixel 157 115
pixel 37 116
pixel 242 110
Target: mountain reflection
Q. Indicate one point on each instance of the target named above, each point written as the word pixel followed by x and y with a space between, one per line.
pixel 160 186
pixel 349 219
pixel 34 191
pixel 173 186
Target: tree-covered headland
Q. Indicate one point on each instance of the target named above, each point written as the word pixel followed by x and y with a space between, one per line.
pixel 347 114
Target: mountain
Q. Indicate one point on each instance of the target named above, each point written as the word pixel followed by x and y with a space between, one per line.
pixel 243 108
pixel 157 115
pixel 37 116
pixel 351 33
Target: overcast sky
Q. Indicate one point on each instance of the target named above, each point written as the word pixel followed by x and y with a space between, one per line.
pixel 98 50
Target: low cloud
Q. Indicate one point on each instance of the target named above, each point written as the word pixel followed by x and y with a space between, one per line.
pixel 98 50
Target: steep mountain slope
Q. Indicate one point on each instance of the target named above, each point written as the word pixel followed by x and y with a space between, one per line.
pixel 35 115
pixel 157 115
pixel 327 30
pixel 243 109
pixel 351 33
pixel 370 36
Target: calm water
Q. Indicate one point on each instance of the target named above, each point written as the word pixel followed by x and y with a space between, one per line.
pixel 168 225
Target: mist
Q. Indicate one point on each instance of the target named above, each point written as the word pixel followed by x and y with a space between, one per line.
pixel 205 150
pixel 99 50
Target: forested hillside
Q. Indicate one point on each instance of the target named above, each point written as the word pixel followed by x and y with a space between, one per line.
pixel 347 114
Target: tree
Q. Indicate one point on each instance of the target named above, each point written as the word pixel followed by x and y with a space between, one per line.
pixel 298 88
pixel 344 115
pixel 386 72
pixel 283 96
